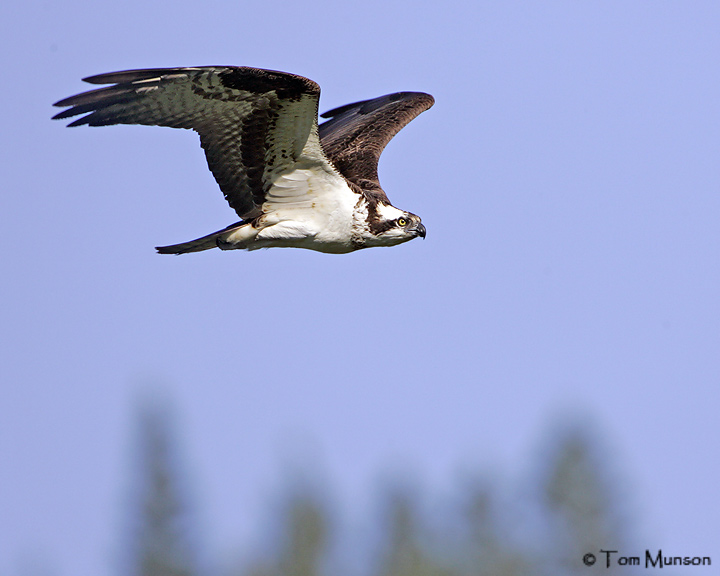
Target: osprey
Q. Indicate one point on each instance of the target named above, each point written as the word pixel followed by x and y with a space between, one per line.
pixel 293 183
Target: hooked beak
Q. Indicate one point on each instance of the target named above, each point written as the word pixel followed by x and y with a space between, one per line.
pixel 420 231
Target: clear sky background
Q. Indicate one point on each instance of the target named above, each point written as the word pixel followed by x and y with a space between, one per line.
pixel 568 178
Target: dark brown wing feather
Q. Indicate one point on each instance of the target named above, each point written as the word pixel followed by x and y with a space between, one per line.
pixel 356 134
pixel 252 123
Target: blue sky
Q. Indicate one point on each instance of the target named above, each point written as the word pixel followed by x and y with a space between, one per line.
pixel 568 180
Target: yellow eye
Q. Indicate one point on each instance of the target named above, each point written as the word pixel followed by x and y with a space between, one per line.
pixel 402 221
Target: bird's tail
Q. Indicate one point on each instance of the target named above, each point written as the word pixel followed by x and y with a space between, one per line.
pixel 205 243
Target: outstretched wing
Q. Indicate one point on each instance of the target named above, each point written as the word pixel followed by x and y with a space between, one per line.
pixel 356 134
pixel 253 124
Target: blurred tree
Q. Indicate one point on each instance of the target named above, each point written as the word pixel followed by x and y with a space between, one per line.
pixel 406 555
pixel 306 539
pixel 303 542
pixel 582 509
pixel 161 544
pixel 572 513
pixel 491 550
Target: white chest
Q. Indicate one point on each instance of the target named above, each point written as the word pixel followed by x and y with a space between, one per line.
pixel 309 207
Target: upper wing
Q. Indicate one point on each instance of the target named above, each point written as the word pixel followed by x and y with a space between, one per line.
pixel 356 134
pixel 253 124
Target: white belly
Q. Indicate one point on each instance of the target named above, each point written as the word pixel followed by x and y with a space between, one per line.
pixel 308 208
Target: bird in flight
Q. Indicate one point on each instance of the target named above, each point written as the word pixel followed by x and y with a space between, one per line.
pixel 292 182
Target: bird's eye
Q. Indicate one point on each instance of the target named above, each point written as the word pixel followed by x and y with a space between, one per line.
pixel 402 221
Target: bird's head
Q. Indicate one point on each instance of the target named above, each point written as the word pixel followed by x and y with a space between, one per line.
pixel 390 226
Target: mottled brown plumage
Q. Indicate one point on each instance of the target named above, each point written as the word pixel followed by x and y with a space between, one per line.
pixel 356 134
